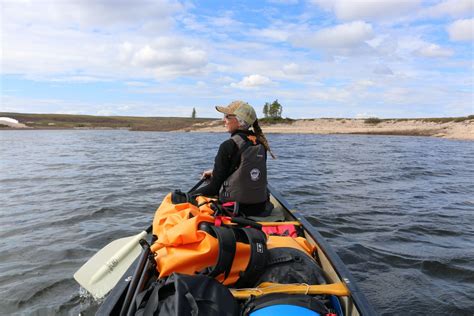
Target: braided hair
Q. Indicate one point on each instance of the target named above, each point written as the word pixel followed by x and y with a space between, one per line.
pixel 261 138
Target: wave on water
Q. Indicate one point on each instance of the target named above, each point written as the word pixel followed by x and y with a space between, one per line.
pixel 397 210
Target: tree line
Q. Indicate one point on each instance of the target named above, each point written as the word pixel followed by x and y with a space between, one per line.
pixel 272 110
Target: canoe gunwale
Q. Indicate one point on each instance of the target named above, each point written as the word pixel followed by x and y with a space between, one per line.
pixel 340 268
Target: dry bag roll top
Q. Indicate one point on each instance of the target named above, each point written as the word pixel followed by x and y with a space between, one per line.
pixel 170 213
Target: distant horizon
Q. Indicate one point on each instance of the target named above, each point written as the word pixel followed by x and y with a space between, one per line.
pixel 219 118
pixel 319 58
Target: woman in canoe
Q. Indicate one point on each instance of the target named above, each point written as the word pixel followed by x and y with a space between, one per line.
pixel 240 170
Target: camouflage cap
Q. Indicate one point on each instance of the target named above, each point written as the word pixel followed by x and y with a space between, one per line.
pixel 241 109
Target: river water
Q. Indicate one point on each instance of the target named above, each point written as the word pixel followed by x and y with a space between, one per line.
pixel 399 211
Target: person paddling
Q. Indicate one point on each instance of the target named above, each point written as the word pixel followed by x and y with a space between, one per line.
pixel 240 170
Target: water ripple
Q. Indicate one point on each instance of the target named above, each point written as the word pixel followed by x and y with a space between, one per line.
pixel 398 210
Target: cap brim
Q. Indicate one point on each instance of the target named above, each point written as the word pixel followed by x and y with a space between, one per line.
pixel 223 109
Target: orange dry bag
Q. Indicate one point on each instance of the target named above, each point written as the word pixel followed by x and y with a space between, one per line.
pixel 189 242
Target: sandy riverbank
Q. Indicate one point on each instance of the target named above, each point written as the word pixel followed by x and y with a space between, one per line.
pixel 454 130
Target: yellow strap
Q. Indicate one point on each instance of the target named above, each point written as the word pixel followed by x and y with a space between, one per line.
pixel 338 289
pixel 279 223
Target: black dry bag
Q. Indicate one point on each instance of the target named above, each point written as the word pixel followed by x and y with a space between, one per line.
pixel 289 265
pixel 181 294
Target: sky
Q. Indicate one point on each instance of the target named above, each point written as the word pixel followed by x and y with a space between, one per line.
pixel 318 58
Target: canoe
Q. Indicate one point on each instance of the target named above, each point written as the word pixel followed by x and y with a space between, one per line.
pixel 352 302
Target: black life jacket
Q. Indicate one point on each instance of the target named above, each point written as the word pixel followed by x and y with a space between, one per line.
pixel 248 183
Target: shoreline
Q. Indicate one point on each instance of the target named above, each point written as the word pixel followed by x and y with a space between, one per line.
pixel 450 130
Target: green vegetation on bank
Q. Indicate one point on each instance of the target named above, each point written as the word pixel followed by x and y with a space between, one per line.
pixel 276 120
pixel 67 121
pixel 448 119
pixel 375 120
pixel 372 120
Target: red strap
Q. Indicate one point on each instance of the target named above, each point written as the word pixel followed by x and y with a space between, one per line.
pixel 281 230
pixel 218 220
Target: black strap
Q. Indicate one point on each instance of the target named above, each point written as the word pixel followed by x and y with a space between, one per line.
pixel 258 257
pixel 152 304
pixel 246 222
pixel 236 159
pixel 227 247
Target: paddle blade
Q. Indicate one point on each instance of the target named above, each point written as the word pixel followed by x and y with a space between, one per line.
pixel 102 272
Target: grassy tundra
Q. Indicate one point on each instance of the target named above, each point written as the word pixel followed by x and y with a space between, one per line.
pixel 66 121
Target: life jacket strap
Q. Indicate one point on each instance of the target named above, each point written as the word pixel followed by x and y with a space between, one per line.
pixel 236 159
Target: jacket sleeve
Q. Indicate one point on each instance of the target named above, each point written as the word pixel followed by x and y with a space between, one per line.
pixel 221 170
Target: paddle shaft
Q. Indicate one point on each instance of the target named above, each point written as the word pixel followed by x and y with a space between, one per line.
pixel 128 306
pixel 136 277
pixel 110 265
pixel 338 289
pixel 197 184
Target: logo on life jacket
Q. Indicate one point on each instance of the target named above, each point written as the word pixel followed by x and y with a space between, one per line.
pixel 255 174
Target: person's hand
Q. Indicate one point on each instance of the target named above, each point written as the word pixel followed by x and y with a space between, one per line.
pixel 207 174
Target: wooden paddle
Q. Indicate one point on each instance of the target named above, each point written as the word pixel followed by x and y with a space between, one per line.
pixel 103 270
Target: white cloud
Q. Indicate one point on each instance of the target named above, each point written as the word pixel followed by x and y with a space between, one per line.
pixel 224 79
pixel 455 8
pixel 78 39
pixel 461 30
pixel 296 69
pixel 252 81
pixel 343 38
pixel 274 34
pixel 399 47
pixel 368 9
pixel 137 84
pixel 173 54
pixel 433 50
pixel 92 14
pixel 382 70
pixel 224 21
pixel 170 60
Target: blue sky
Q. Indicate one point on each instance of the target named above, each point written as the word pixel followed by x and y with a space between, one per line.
pixel 319 58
